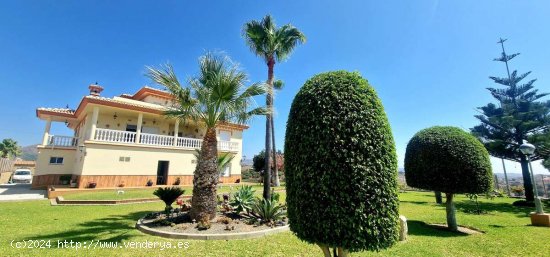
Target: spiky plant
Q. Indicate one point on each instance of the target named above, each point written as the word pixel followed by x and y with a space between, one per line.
pixel 266 212
pixel 168 195
pixel 243 199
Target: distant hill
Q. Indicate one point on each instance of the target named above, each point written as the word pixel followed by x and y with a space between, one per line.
pixel 29 153
pixel 246 162
pixel 510 175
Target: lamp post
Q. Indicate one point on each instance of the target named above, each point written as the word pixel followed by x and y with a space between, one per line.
pixel 528 150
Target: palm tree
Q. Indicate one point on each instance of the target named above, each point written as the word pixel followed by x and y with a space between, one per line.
pixel 223 160
pixel 9 148
pixel 273 45
pixel 216 95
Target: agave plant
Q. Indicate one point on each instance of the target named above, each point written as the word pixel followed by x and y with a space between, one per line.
pixel 266 212
pixel 168 195
pixel 243 199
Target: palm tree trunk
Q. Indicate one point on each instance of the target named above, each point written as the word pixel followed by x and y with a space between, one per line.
pixel 451 212
pixel 267 172
pixel 276 181
pixel 203 201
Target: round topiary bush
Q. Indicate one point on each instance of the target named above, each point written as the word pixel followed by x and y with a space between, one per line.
pixel 449 160
pixel 341 165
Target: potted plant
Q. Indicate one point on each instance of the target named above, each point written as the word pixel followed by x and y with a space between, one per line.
pixel 65 179
pixel 92 184
pixel 178 181
pixel 149 183
pixel 73 183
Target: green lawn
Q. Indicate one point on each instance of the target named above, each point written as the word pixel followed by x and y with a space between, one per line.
pixel 507 228
pixel 130 193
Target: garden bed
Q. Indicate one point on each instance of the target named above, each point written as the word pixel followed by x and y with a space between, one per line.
pixel 182 227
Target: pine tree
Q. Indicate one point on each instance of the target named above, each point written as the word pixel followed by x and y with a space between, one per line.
pixel 519 115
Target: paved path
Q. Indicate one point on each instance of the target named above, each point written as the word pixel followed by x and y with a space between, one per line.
pixel 10 192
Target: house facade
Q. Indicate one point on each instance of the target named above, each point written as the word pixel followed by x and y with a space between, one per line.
pixel 127 140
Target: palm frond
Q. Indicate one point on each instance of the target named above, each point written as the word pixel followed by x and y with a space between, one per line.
pixel 216 94
pixel 267 41
pixel 287 37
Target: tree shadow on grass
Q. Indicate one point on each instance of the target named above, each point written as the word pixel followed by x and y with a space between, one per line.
pixel 114 228
pixel 488 207
pixel 417 202
pixel 420 228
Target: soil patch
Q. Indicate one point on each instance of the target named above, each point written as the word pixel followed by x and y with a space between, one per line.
pixel 463 230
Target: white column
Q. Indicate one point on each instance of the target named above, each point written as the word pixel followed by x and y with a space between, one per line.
pixel 95 116
pixel 138 128
pixel 176 131
pixel 47 131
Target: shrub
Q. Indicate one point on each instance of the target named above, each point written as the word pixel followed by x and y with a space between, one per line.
pixel 243 199
pixel 250 174
pixel 224 220
pixel 517 190
pixel 204 223
pixel 341 165
pixel 449 160
pixel 168 195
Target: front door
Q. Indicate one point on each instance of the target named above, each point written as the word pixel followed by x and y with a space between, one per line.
pixel 162 172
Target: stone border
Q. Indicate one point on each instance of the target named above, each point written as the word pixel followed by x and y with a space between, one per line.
pixel 231 236
pixel 61 201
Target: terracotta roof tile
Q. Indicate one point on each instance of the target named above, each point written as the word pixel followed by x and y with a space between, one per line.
pixel 57 110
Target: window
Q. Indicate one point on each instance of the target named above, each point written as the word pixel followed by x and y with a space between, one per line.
pixel 227 170
pixel 225 135
pixel 124 159
pixel 131 128
pixel 150 130
pixel 56 160
pixel 22 172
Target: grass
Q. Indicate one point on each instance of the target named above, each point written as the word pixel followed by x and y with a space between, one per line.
pixel 143 193
pixel 507 231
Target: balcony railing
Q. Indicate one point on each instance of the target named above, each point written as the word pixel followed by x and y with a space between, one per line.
pixel 63 141
pixel 152 139
pixel 228 146
pixel 187 142
pixel 118 136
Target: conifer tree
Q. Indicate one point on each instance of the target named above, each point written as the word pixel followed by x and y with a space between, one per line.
pixel 518 115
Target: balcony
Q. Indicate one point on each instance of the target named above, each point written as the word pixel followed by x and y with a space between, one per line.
pixel 62 141
pixel 126 137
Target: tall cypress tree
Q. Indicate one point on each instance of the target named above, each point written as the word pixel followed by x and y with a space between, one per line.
pixel 519 115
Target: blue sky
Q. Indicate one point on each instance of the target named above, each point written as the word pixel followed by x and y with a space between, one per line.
pixel 428 60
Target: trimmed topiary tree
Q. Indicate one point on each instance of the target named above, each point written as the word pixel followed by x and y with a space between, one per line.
pixel 449 160
pixel 341 166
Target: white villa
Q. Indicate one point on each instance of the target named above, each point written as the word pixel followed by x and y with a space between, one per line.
pixel 126 140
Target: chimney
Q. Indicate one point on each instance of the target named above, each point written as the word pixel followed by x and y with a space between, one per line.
pixel 95 89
